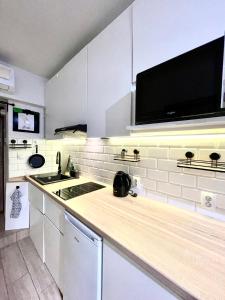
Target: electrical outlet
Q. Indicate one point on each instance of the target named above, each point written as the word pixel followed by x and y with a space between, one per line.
pixel 208 200
pixel 136 186
pixel 136 181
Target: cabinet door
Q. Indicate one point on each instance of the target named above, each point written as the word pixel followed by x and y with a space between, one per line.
pixel 66 95
pixel 109 79
pixel 36 197
pixel 122 279
pixel 165 29
pixel 55 213
pixel 53 251
pixel 36 230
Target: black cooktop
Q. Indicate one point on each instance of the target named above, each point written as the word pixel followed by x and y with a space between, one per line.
pixel 78 190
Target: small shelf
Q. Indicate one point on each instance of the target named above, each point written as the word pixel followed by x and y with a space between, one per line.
pixel 129 158
pixel 20 146
pixel 201 165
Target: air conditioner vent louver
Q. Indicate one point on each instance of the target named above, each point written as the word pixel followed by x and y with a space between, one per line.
pixel 7 80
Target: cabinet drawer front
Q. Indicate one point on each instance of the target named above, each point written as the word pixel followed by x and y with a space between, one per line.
pixel 55 213
pixel 36 197
pixel 53 240
pixel 36 230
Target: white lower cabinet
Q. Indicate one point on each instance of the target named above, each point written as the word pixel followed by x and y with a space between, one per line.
pixel 122 279
pixel 53 251
pixel 36 230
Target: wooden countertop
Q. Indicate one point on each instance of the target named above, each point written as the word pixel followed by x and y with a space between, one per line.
pixel 183 250
pixel 17 179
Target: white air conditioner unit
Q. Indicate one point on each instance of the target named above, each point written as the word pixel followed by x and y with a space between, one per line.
pixel 7 79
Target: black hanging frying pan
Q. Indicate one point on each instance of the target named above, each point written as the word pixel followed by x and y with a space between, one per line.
pixel 36 160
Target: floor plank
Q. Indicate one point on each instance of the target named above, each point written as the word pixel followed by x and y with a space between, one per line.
pixel 23 289
pixel 31 257
pixel 7 240
pixel 41 278
pixel 39 272
pixel 3 290
pixel 13 263
pixel 51 293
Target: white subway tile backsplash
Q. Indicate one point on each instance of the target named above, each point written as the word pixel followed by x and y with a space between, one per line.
pixel 148 184
pixel 161 179
pixel 197 172
pixel 136 171
pixel 220 175
pixel 158 175
pixel 115 167
pixel 183 179
pixel 191 194
pixel 211 184
pixel 169 188
pixel 150 163
pixel 157 152
pixel 168 165
pixel 220 201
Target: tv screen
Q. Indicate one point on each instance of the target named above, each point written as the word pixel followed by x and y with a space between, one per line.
pixel 186 87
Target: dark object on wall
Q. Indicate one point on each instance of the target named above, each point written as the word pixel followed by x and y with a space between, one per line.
pixel 74 128
pixel 189 155
pixel 214 156
pixel 188 86
pixel 136 154
pixel 209 165
pixel 25 120
pixel 36 160
pixel 121 184
pixel 13 142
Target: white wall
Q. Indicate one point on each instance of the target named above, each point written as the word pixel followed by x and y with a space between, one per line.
pixel 28 87
pixel 18 158
pixel 162 180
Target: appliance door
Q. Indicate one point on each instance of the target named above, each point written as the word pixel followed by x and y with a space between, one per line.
pixel 82 261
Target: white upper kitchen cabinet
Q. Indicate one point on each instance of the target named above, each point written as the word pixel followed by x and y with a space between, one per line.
pixel 164 29
pixel 66 95
pixel 109 79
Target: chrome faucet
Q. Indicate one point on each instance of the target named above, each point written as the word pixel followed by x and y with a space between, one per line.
pixel 58 161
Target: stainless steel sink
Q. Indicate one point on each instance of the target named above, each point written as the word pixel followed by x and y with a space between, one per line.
pixel 50 178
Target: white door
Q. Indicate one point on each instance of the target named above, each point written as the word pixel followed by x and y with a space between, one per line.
pixel 109 79
pixel 82 263
pixel 16 206
pixel 124 280
pixel 36 230
pixel 66 95
pixel 53 240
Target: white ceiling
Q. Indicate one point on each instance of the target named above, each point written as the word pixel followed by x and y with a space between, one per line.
pixel 42 35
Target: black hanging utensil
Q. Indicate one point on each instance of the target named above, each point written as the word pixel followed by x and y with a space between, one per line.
pixel 36 160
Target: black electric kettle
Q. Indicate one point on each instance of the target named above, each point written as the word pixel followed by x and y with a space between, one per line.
pixel 121 184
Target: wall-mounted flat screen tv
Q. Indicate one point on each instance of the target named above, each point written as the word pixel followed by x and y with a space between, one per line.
pixel 188 86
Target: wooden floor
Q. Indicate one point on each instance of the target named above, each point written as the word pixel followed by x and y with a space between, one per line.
pixel 23 276
pixel 2 227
